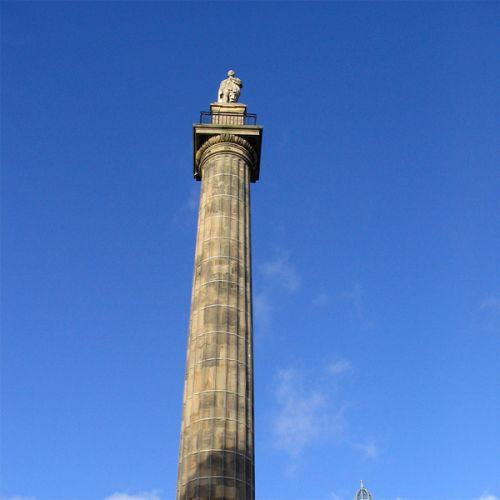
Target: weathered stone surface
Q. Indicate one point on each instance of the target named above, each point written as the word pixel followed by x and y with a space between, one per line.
pixel 216 459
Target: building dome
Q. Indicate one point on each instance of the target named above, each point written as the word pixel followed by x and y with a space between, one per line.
pixel 363 493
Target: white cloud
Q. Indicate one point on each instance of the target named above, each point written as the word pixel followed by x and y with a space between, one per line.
pixel 355 298
pixel 369 449
pixel 275 276
pixel 186 214
pixel 279 272
pixel 339 367
pixel 487 496
pixel 397 498
pixel 307 414
pixel 321 300
pixel 354 294
pixel 490 304
pixel 304 414
pixel 17 497
pixel 488 319
pixel 262 310
pixel 147 495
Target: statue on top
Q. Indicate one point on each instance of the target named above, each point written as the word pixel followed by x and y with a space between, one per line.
pixel 230 88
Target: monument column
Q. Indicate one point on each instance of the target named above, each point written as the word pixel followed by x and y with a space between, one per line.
pixel 216 458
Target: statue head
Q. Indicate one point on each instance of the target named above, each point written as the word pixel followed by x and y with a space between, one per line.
pixel 230 73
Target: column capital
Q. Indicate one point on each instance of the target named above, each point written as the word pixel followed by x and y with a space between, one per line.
pixel 248 137
pixel 224 140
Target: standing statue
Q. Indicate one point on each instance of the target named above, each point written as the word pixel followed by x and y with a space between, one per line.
pixel 230 88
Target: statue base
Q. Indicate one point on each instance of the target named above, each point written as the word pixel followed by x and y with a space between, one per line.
pixel 228 113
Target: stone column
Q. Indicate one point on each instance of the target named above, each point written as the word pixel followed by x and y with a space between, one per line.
pixel 216 459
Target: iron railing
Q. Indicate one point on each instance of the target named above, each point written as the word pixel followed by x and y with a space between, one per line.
pixel 225 117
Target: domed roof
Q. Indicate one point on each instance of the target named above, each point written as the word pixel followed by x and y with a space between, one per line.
pixel 363 493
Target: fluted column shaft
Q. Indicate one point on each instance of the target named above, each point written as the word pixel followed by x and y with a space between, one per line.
pixel 216 459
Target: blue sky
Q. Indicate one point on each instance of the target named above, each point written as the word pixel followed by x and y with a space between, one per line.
pixel 375 243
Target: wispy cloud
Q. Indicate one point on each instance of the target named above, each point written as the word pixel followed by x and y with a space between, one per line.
pixel 397 498
pixel 276 277
pixel 490 304
pixel 369 449
pixel 17 497
pixel 334 496
pixel 147 495
pixel 280 272
pixel 186 214
pixel 323 299
pixel 310 411
pixel 355 300
pixel 488 319
pixel 305 413
pixel 262 310
pixel 487 496
pixel 340 366
pixel 351 302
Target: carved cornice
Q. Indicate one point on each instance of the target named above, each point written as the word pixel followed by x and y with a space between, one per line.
pixel 229 138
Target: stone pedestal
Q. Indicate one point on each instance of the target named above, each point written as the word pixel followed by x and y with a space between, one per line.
pixel 228 113
pixel 216 459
